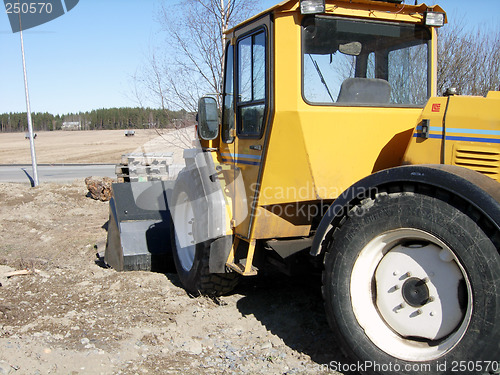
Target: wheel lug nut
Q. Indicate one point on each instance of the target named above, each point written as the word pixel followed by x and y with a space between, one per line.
pixel 405 276
pixel 399 307
pixel 393 289
pixel 416 313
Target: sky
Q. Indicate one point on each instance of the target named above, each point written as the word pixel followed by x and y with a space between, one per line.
pixel 86 59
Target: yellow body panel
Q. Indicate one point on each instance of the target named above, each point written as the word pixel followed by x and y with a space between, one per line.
pixel 471 127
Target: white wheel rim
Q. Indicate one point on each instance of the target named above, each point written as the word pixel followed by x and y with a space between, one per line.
pixel 383 290
pixel 184 231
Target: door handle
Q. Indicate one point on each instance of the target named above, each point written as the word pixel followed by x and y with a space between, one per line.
pixel 256 147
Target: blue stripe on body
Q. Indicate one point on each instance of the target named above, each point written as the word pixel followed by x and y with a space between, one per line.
pixel 239 161
pixel 462 131
pixel 455 138
pixel 245 156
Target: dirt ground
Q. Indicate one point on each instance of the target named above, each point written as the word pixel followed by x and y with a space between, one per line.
pixel 74 316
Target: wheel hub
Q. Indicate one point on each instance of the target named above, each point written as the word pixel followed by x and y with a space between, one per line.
pixel 415 292
pixel 378 282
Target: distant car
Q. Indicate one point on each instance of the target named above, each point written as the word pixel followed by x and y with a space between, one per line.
pixel 129 133
pixel 27 136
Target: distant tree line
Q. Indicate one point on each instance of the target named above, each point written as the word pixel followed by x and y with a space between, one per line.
pixel 100 119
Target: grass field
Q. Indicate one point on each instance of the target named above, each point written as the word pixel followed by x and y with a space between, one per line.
pixel 98 146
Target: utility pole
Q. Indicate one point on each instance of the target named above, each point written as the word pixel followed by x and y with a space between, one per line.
pixel 28 111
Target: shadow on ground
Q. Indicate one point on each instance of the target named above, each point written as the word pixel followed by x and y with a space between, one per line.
pixel 292 309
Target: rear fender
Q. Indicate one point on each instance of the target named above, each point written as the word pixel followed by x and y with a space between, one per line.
pixel 201 165
pixel 480 191
pixel 219 231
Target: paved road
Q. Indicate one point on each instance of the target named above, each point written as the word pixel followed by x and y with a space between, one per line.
pixel 55 173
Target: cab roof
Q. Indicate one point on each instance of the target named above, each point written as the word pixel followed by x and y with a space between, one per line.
pixel 292 5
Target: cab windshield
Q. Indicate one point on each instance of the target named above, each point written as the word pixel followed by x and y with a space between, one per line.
pixel 366 63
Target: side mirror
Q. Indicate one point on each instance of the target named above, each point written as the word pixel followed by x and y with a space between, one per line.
pixel 208 118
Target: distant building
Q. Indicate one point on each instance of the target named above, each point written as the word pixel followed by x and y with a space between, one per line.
pixel 71 125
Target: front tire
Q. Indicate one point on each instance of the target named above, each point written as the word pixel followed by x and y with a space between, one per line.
pixel 190 252
pixel 411 282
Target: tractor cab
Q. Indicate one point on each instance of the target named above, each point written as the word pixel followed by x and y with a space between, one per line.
pixel 316 96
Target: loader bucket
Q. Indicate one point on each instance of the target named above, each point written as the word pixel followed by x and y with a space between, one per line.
pixel 139 226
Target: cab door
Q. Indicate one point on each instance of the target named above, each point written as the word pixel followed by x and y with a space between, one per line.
pixel 246 113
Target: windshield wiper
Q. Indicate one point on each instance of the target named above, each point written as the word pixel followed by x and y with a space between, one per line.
pixel 322 78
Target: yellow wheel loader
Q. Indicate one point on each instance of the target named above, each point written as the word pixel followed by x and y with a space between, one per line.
pixel 332 144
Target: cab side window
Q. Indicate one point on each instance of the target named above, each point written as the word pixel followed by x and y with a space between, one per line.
pixel 228 98
pixel 252 84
